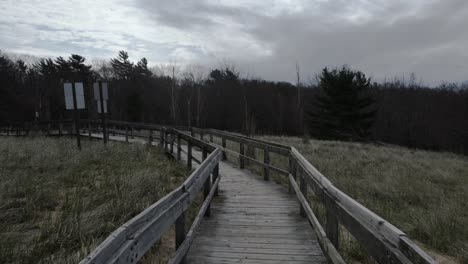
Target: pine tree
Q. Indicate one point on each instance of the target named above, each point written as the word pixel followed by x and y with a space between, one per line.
pixel 344 108
pixel 122 65
pixel 141 68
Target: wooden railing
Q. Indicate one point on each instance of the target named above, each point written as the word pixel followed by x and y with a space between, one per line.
pixel 132 240
pixel 383 241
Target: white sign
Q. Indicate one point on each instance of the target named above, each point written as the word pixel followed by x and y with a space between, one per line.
pixel 105 94
pixel 99 106
pixel 80 102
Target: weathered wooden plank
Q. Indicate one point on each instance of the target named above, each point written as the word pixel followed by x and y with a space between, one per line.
pixel 223 260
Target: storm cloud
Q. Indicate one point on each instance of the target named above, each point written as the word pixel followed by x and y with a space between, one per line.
pixel 266 39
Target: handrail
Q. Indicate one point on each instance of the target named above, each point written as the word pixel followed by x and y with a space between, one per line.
pixel 133 239
pixel 383 240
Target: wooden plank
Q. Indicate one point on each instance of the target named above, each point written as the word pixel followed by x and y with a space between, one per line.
pixel 223 260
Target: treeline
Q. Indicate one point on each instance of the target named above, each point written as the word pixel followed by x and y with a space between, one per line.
pixel 406 112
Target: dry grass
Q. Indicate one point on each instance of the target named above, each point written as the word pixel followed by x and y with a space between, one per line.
pixel 57 204
pixel 423 193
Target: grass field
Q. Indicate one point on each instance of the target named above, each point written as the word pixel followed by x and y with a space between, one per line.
pixel 423 193
pixel 57 204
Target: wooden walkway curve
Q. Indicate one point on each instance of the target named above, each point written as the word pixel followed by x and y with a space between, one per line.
pixel 253 221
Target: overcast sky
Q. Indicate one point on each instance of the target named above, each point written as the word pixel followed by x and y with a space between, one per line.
pixel 384 38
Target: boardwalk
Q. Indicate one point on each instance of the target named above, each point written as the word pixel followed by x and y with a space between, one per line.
pixel 253 221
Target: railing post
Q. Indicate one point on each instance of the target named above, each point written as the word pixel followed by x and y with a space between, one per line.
pixel 60 129
pixel 166 141
pixel 191 132
pixel 189 155
pixel 179 148
pixel 206 191
pixel 292 170
pixel 303 188
pixel 126 133
pixel 215 176
pixel 241 155
pixel 201 135
pixel 207 184
pixel 332 227
pixel 113 130
pixel 73 129
pixel 48 129
pixel 89 130
pixel 150 136
pixel 180 233
pixel 204 153
pixel 211 138
pixel 266 160
pixel 161 137
pixel 224 157
pixel 172 141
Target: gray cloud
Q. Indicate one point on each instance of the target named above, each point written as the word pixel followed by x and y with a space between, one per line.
pixel 263 38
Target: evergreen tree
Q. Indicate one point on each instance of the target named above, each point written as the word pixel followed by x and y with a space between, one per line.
pixel 141 68
pixel 122 65
pixel 344 107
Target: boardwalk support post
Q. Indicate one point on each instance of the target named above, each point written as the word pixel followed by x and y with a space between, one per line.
pixel 292 170
pixel 241 156
pixel 332 227
pixel 150 137
pixel 171 136
pixel 266 160
pixel 215 176
pixel 303 188
pixel 224 146
pixel 189 155
pixel 180 233
pixel 179 148
pixel 161 137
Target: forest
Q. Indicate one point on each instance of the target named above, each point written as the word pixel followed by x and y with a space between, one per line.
pixel 400 112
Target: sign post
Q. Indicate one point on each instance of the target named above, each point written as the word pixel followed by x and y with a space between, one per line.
pixel 76 115
pixel 101 95
pixel 74 99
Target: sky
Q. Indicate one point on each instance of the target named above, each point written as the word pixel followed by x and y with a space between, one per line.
pixel 264 39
